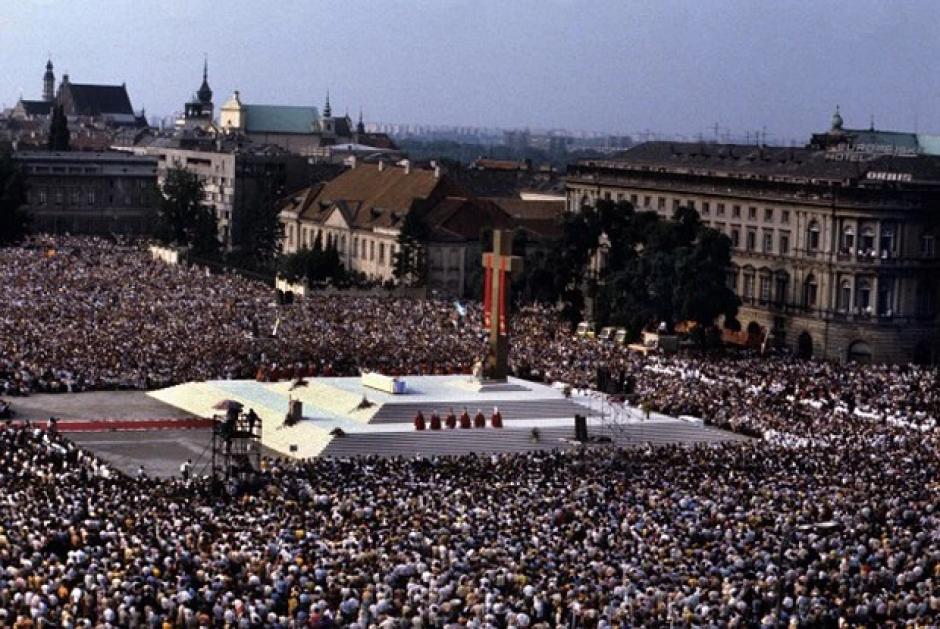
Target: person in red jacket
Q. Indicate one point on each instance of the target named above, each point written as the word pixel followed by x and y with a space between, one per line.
pixel 496 421
pixel 419 421
pixel 479 420
pixel 435 421
pixel 451 420
pixel 465 419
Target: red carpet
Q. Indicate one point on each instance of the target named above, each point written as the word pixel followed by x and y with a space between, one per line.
pixel 108 425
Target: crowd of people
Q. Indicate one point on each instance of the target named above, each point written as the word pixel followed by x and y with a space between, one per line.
pixel 763 533
pixel 829 517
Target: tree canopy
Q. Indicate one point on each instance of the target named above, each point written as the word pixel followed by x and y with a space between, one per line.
pixel 315 265
pixel 410 261
pixel 59 136
pixel 184 219
pixel 652 270
pixel 14 221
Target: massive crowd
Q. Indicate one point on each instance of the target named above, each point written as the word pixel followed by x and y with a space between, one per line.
pixel 828 518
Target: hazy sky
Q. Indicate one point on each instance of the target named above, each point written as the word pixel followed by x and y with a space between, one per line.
pixel 619 65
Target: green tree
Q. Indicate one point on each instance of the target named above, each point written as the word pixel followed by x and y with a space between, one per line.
pixel 258 233
pixel 59 136
pixel 184 219
pixel 654 270
pixel 410 261
pixel 14 221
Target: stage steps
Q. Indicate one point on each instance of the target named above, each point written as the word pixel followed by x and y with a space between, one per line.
pixel 458 441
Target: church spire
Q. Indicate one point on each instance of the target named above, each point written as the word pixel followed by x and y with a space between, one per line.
pixel 48 83
pixel 204 95
pixel 360 128
pixel 327 111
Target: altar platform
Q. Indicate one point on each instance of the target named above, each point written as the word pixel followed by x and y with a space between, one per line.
pixel 375 422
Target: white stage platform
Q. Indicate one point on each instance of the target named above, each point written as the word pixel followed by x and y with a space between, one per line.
pixel 330 403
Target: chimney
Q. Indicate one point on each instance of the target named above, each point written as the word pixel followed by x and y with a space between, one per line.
pixel 381 165
pixel 437 171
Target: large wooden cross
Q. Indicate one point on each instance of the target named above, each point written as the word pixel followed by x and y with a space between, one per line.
pixel 498 264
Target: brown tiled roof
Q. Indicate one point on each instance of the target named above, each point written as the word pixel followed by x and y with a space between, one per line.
pixel 376 198
pixel 457 219
pixel 534 210
pixel 372 198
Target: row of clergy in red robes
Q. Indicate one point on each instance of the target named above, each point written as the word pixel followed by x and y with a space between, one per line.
pixel 451 421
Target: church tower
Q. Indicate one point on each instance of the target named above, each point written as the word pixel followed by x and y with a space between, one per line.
pixel 205 92
pixel 48 83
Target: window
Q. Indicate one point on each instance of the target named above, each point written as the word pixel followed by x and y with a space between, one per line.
pixel 381 253
pixel 848 239
pixel 619 197
pixel 886 296
pixel 863 295
pixel 809 291
pixel 735 237
pixel 90 197
pixel 731 280
pixel 785 216
pixel 924 298
pixel 866 241
pixel 887 240
pixel 784 248
pixel 735 211
pixel 781 282
pixel 768 246
pixel 633 200
pixel 42 197
pixel 371 250
pixel 748 291
pixel 812 236
pixel 768 214
pixel 647 201
pixel 661 203
pixel 751 239
pixel 752 213
pixel 675 204
pixel 607 196
pixel 764 288
pixel 706 208
pixel 690 204
pixel 721 209
pixel 845 295
pixel 928 244
pixel 77 197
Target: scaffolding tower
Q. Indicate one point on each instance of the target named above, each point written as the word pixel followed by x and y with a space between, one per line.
pixel 236 447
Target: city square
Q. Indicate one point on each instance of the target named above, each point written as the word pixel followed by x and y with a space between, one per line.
pixel 277 365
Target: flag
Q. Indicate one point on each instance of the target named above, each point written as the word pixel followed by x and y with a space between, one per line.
pixel 277 322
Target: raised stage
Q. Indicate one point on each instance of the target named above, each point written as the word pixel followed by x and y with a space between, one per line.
pixel 385 427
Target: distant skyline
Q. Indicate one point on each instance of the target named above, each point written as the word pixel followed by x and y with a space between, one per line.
pixel 616 66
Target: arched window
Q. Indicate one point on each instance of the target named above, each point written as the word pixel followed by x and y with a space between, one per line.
pixel 812 236
pixel 845 295
pixel 810 290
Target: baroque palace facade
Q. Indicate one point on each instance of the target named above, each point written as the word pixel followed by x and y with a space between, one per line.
pixel 834 244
